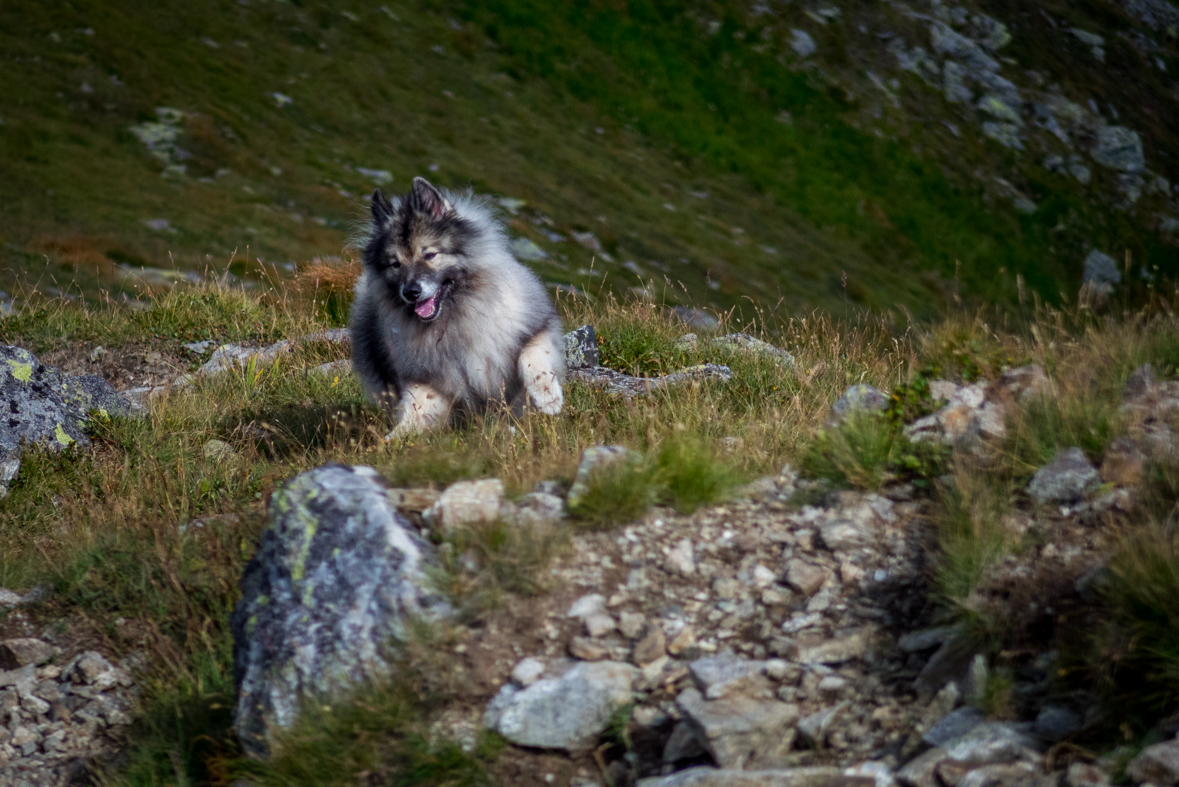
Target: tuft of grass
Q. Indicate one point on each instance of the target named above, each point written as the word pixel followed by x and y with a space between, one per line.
pixel 1083 417
pixel 867 451
pixel 688 474
pixel 616 493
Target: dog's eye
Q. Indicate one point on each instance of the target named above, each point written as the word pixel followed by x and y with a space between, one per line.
pixel 429 255
pixel 396 263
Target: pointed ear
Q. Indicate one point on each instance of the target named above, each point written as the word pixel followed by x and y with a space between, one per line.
pixel 382 210
pixel 426 199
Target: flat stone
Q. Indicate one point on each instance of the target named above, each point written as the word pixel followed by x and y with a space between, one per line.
pixel 726 673
pixel 631 624
pixel 843 535
pixel 921 771
pixel 991 742
pixel 599 624
pixel 810 776
pixel 466 503
pixel 859 398
pixel 16 653
pixel 1069 478
pixel 650 647
pixel 681 560
pixel 586 649
pixel 589 604
pixel 1054 723
pixel 1157 764
pixel 568 712
pixel 805 577
pixel 742 733
pixel 837 650
pixel 743 342
pixel 527 671
pixel 953 725
pixel 1015 774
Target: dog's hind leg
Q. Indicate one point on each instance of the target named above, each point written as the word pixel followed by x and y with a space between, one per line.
pixel 420 409
pixel 540 370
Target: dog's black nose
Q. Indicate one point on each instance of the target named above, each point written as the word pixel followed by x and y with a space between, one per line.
pixel 411 292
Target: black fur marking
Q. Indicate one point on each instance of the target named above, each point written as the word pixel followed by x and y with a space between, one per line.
pixel 426 200
pixel 382 210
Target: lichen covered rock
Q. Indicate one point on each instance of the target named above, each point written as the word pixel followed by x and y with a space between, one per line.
pixel 338 576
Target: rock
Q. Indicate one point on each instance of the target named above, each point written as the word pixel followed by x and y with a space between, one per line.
pixel 631 624
pixel 810 776
pixel 742 733
pixel 413 501
pixel 534 510
pixel 586 649
pixel 974 684
pixel 681 559
pixel 804 577
pixel 948 663
pixel 527 671
pixel 91 668
pixel 1140 383
pixel 91 393
pixel 696 318
pixel 599 624
pixel 1119 148
pixel 992 421
pixel 946 41
pixel 593 459
pixel 844 535
pixel 1006 134
pixel 814 727
pixel 466 503
pixel 1069 478
pixel 590 604
pixel 921 771
pixel 803 45
pixel 35 406
pixel 218 451
pixel 1157 764
pixel 337 575
pixel 650 647
pixel 683 744
pixel 568 712
pixel 8 599
pixel 527 250
pixel 847 647
pixel 1016 774
pixel 1101 270
pixel 858 398
pixel 991 742
pixel 1054 723
pixel 727 673
pixel 990 33
pixel 1025 381
pixel 954 84
pixel 743 342
pixel 953 725
pixel 926 639
pixel 627 386
pixel 15 653
pixel 682 641
pixel 1084 774
pixel 581 348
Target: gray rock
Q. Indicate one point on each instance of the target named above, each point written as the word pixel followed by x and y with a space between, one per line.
pixel 726 673
pixel 810 776
pixel 683 744
pixel 696 318
pixel 949 663
pixel 89 392
pixel 954 725
pixel 954 84
pixel 996 107
pixel 527 671
pixel 535 509
pixel 628 386
pixel 1119 148
pixel 631 624
pixel 581 348
pixel 947 41
pixel 1157 764
pixel 814 728
pixel 1015 774
pixel 803 45
pixel 1054 723
pixel 990 33
pixel 805 577
pixel 1006 134
pixel 35 405
pixel 1101 269
pixel 743 342
pixel 587 605
pixel 1087 38
pixel 681 559
pixel 1140 383
pixel 466 503
pixel 218 451
pixel 848 646
pixel 1155 14
pixel 1069 478
pixel 337 576
pixel 991 742
pixel 525 249
pixel 8 599
pixel 921 771
pixel 742 733
pixel 926 639
pixel 15 653
pixel 568 712
pixel 1084 774
pixel 844 535
pixel 859 398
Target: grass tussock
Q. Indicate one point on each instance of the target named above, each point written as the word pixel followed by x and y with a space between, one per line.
pixel 868 451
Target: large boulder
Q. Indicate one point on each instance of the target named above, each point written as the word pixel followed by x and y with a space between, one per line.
pixel 338 577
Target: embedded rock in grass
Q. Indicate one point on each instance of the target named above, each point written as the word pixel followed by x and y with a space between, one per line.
pixel 337 577
pixel 802 44
pixel 1024 382
pixel 466 503
pixel 1119 148
pixel 1069 478
pixel 743 342
pixel 89 392
pixel 742 733
pixel 619 384
pixel 1157 764
pixel 15 653
pixel 809 776
pixel 1101 270
pixel 581 348
pixel 568 712
pixel 858 398
pixel 696 318
pixel 595 458
pixel 726 674
pixel 535 509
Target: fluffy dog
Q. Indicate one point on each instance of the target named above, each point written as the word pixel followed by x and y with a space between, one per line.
pixel 445 320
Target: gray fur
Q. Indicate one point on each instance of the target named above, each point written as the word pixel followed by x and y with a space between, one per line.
pixel 488 307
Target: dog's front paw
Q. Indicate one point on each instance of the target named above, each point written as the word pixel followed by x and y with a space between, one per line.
pixel 548 398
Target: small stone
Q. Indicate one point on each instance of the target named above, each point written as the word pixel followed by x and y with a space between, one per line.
pixel 805 577
pixel 807 776
pixel 1140 383
pixel 954 725
pixel 681 560
pixel 1124 462
pixel 837 650
pixel 587 605
pixel 581 348
pixel 650 647
pixel 1101 270
pixel 8 599
pixel 1119 148
pixel 727 673
pixel 1055 723
pixel 16 653
pixel 683 744
pixel 832 684
pixel 586 649
pixel 842 535
pixel 599 624
pixel 742 733
pixel 990 742
pixel 1157 764
pixel 631 624
pixel 1069 478
pixel 218 451
pixel 780 669
pixel 858 398
pixel 1084 774
pixel 814 727
pixel 803 45
pixel 466 503
pixel 682 641
pixel 527 671
pixel 535 510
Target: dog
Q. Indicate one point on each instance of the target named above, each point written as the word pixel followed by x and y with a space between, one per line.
pixel 445 321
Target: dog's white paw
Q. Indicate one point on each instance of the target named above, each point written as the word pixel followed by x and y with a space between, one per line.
pixel 548 396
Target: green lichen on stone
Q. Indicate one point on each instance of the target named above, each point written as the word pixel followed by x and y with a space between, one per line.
pixel 262 601
pixel 21 371
pixel 60 433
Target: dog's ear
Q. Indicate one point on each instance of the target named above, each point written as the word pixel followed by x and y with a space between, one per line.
pixel 427 200
pixel 382 210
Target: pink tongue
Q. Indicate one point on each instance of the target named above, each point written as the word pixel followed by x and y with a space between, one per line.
pixel 425 308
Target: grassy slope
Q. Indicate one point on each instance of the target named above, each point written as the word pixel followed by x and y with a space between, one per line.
pixel 603 117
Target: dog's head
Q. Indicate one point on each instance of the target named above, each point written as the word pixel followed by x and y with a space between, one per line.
pixel 419 249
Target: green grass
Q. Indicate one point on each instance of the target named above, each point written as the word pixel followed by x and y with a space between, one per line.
pixel 690 474
pixel 616 492
pixel 867 451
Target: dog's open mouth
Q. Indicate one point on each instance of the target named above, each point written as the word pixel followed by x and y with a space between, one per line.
pixel 427 308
